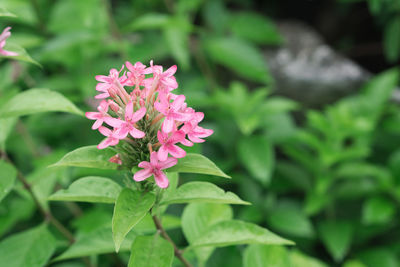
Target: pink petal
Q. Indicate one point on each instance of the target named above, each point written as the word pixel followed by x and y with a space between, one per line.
pixel 176 151
pixel 129 111
pixel 136 133
pixel 161 107
pixel 177 137
pixel 102 87
pixel 186 142
pixel 93 115
pixel 105 131
pixel 153 158
pixel 142 174
pixel 168 163
pixel 168 125
pixel 97 124
pixel 138 115
pixel 170 82
pixel 195 139
pixel 161 179
pixel 144 164
pixel 171 71
pixel 101 96
pixel 178 102
pixel 8 53
pixel 103 144
pixel 162 137
pixel 117 123
pixel 102 78
pixel 162 153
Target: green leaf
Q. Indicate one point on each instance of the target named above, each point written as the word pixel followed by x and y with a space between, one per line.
pixel 354 263
pixel 378 210
pixel 22 54
pixel 254 28
pixel 337 237
pixel 202 192
pixel 259 255
pixel 378 91
pixel 257 156
pixel 176 35
pixel 197 163
pixel 151 251
pixel 37 100
pixel 130 208
pixel 381 257
pixel 89 157
pixel 7 178
pixel 7 126
pixel 31 248
pixel 5 13
pixel 391 39
pixel 239 56
pixel 236 232
pixel 89 189
pixel 149 21
pixel 299 259
pixel 197 218
pixel 99 241
pixel 287 217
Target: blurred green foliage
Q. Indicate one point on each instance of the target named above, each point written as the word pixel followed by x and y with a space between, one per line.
pixel 329 181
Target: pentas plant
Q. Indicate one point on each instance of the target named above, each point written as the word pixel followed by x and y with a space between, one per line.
pixel 144 120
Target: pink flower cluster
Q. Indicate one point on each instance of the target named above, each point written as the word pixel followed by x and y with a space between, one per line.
pixel 3 36
pixel 147 117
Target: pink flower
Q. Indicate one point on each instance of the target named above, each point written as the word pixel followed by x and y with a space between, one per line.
pixel 165 78
pixel 155 167
pixel 136 74
pixel 108 84
pixel 171 111
pixel 3 36
pixel 128 126
pixel 99 116
pixel 168 145
pixel 111 140
pixel 195 132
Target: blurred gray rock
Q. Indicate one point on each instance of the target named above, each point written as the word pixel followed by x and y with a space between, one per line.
pixel 309 71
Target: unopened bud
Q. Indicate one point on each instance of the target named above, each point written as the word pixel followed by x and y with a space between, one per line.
pixel 114 107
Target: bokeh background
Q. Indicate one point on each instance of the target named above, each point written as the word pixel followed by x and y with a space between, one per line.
pixel 301 95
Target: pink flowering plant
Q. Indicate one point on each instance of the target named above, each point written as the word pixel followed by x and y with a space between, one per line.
pixel 146 127
pixel 144 120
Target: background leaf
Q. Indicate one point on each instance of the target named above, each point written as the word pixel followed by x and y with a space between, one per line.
pixel 239 56
pixel 260 255
pixel 151 251
pixel 197 218
pixel 96 242
pixel 31 248
pixel 37 100
pixel 8 174
pixel 89 189
pixel 337 237
pixel 234 232
pixel 254 28
pixel 202 192
pixel 257 156
pixel 197 163
pixel 130 208
pixel 88 156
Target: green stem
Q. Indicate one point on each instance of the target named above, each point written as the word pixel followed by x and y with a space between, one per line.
pixel 178 253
